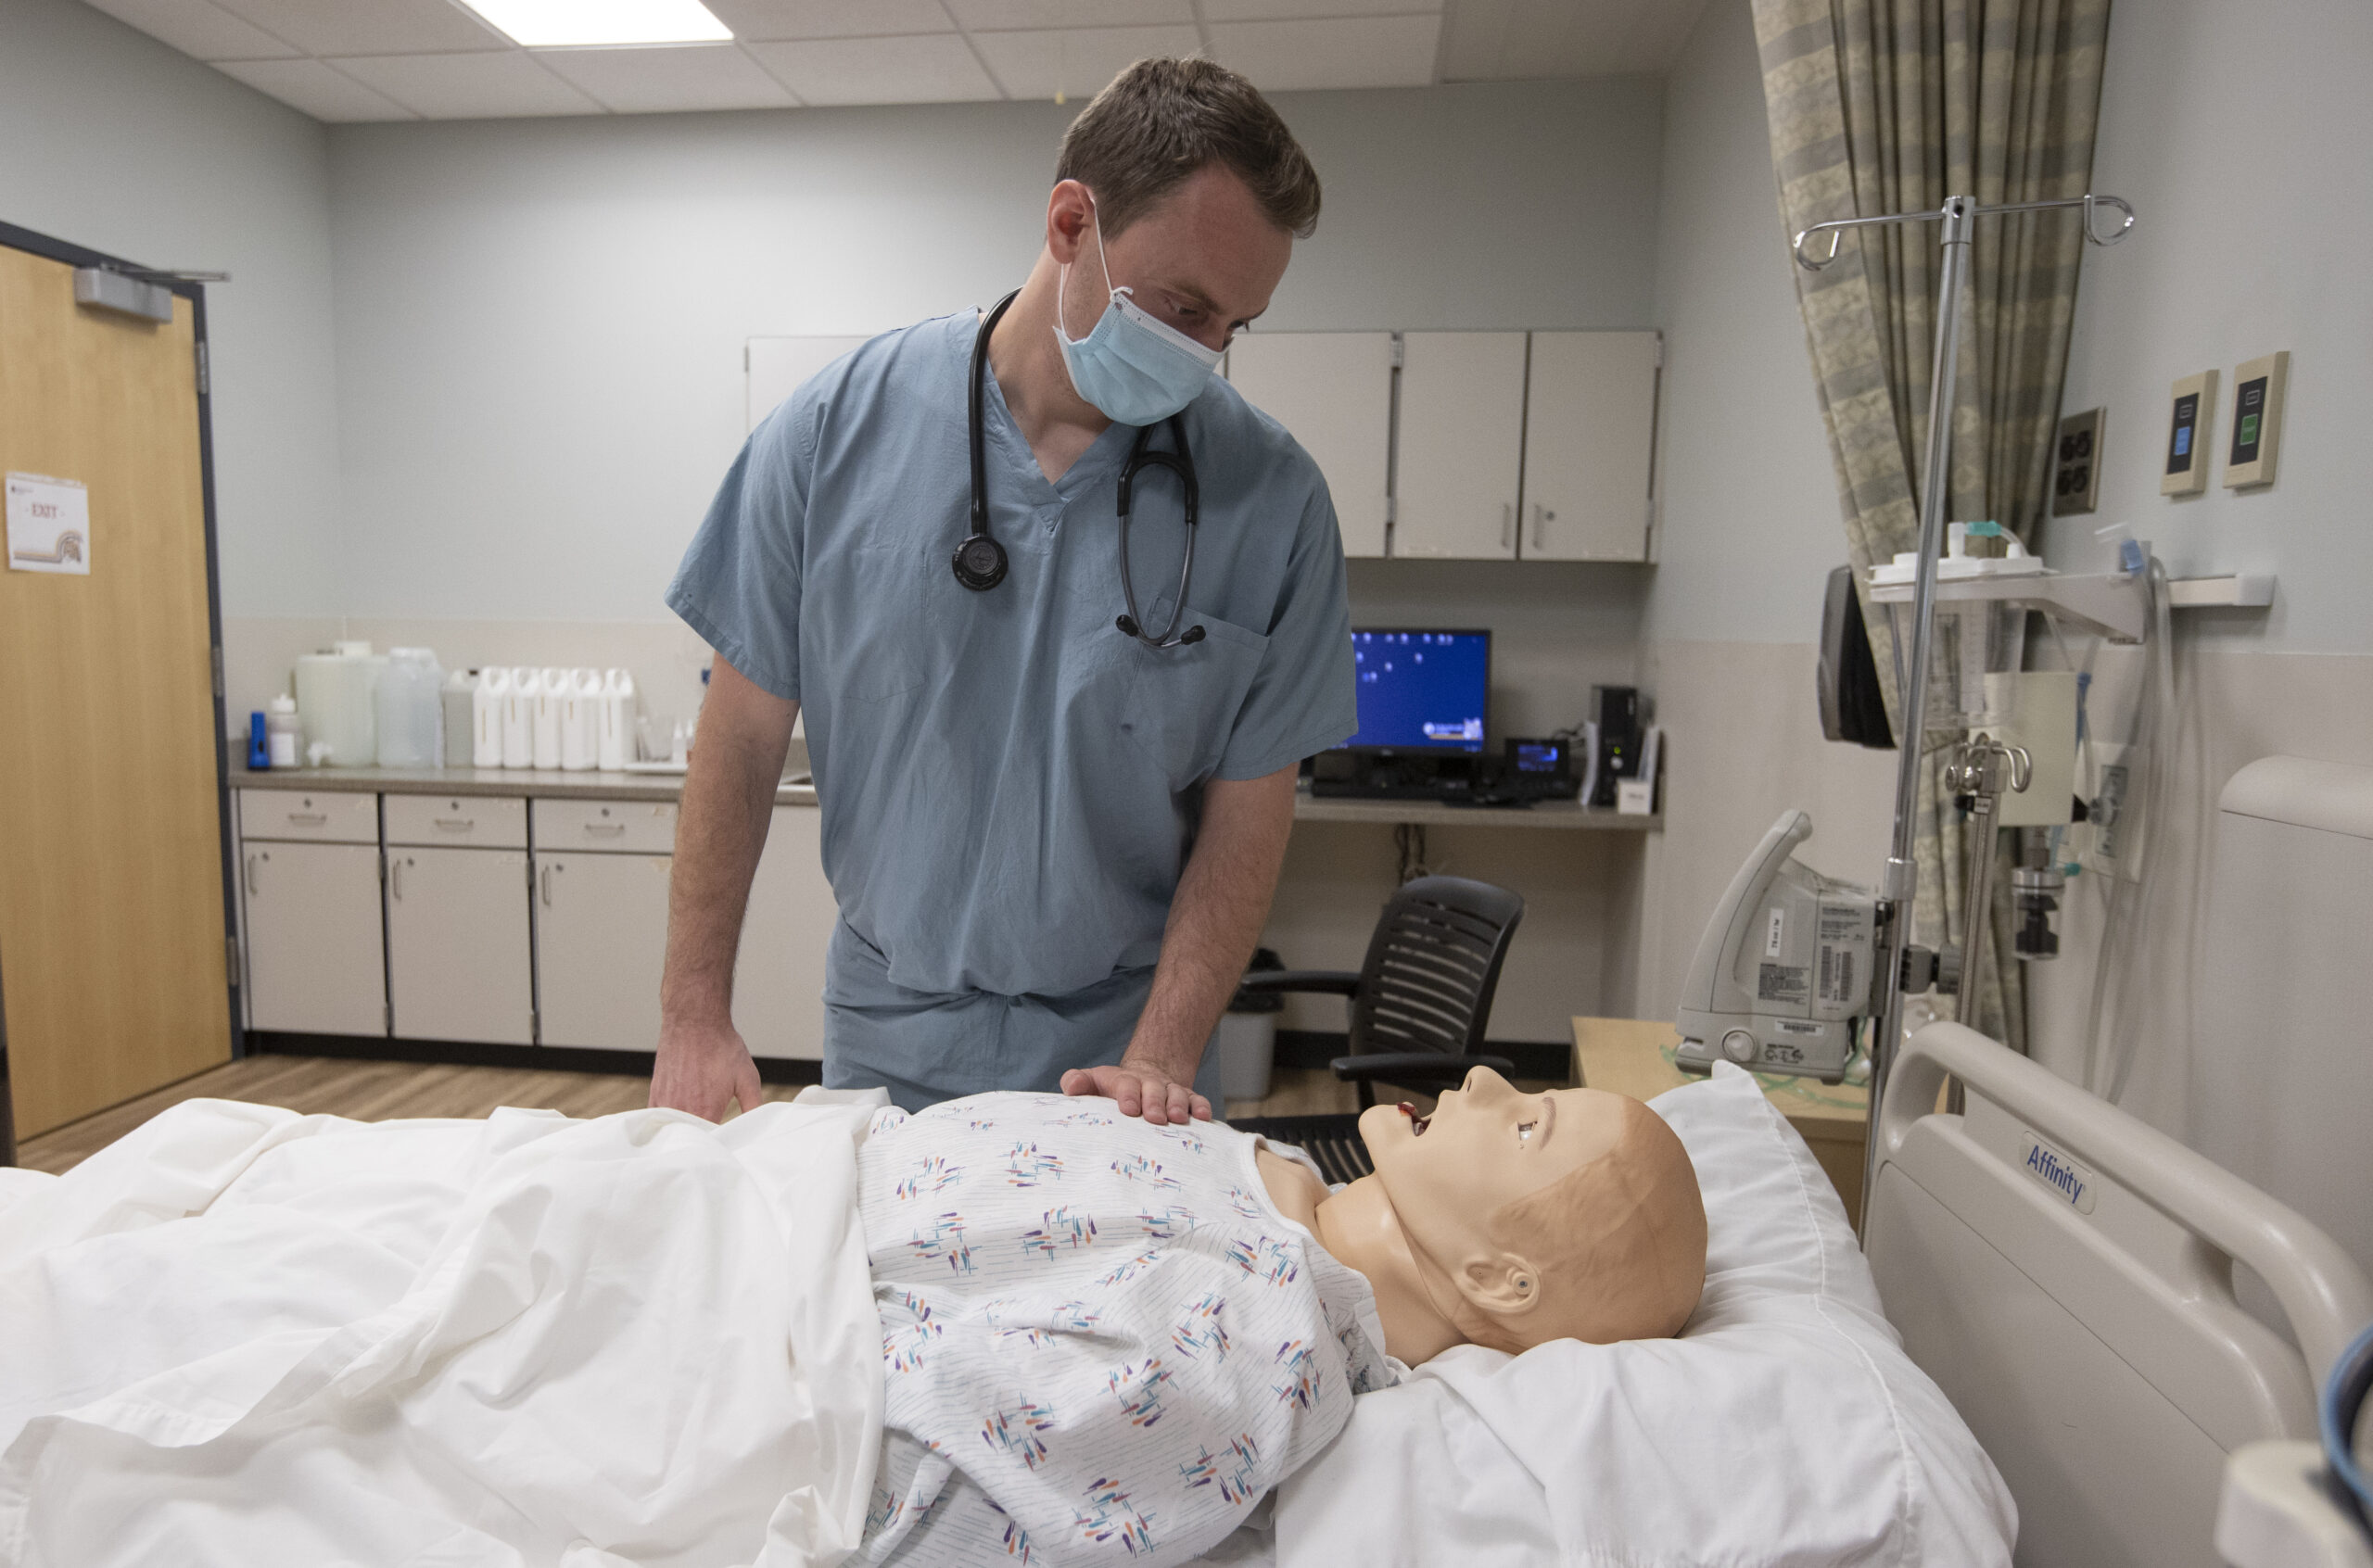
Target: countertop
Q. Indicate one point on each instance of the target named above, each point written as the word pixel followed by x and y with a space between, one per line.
pixel 552 784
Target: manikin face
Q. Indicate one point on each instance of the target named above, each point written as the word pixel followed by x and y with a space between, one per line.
pixel 1484 1146
pixel 1203 260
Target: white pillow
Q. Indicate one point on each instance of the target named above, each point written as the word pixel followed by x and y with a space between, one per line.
pixel 1785 1425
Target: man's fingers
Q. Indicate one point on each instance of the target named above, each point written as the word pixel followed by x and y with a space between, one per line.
pixel 751 1091
pixel 1077 1082
pixel 1202 1108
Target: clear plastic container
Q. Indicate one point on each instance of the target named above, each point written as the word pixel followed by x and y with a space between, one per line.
pixel 409 711
pixel 335 704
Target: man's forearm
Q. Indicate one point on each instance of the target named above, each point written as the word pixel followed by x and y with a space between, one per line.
pixel 1221 903
pixel 720 833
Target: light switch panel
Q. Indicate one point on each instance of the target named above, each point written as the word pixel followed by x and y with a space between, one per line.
pixel 2190 424
pixel 2257 419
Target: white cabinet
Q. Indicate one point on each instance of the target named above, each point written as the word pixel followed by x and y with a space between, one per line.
pixel 1589 434
pixel 600 943
pixel 316 959
pixel 458 965
pixel 1462 445
pixel 1333 390
pixel 778 979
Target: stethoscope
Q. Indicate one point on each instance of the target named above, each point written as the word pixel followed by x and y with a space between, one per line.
pixel 980 561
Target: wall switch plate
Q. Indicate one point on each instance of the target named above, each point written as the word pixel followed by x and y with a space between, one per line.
pixel 2076 465
pixel 2257 419
pixel 2190 425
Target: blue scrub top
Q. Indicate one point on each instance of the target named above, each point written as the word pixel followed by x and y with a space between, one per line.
pixel 1009 785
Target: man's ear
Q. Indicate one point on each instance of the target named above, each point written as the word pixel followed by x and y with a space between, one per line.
pixel 1068 218
pixel 1501 1284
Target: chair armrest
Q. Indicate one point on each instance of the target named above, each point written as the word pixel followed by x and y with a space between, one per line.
pixel 1342 983
pixel 1415 1067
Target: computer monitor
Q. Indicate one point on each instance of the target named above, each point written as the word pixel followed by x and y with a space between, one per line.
pixel 1422 690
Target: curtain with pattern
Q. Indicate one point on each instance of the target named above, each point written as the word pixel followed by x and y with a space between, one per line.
pixel 1890 105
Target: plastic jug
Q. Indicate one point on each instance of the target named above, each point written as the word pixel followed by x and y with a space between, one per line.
pixel 282 731
pixel 334 693
pixel 580 727
pixel 411 717
pixel 486 716
pixel 614 744
pixel 457 701
pixel 519 717
pixel 552 686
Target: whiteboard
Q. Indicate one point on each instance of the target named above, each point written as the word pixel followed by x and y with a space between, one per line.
pixel 777 366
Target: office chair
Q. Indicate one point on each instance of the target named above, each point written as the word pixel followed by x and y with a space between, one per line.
pixel 1419 1005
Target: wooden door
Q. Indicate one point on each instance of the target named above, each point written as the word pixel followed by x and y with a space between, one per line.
pixel 458 965
pixel 779 976
pixel 1462 445
pixel 1333 390
pixel 317 956
pixel 1589 439
pixel 601 941
pixel 114 965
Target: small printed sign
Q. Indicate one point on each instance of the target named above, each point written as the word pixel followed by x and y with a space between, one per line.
pixel 2056 1170
pixel 49 525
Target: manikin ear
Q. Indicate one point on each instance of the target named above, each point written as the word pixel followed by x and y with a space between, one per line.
pixel 1501 1284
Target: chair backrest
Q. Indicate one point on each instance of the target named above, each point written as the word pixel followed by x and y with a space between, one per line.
pixel 1432 967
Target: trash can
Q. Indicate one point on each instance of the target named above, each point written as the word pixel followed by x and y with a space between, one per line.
pixel 1247 1037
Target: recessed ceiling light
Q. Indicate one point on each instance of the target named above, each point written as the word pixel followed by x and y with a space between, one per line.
pixel 587 24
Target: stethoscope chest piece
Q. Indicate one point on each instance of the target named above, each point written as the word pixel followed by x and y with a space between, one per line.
pixel 980 563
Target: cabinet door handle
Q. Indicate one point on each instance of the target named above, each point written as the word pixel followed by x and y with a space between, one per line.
pixel 252 889
pixel 457 824
pixel 606 827
pixel 1507 525
pixel 396 878
pixel 309 818
pixel 545 882
pixel 1539 527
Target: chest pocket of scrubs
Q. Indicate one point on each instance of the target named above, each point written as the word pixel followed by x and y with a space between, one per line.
pixel 1182 703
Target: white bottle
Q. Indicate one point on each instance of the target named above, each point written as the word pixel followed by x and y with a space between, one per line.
pixel 618 715
pixel 581 726
pixel 409 720
pixel 281 729
pixel 550 688
pixel 486 716
pixel 457 732
pixel 519 718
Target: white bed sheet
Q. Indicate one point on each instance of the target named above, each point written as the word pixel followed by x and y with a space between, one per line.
pixel 1784 1426
pixel 529 1340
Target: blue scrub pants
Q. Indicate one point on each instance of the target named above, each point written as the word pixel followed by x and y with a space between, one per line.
pixel 927 1046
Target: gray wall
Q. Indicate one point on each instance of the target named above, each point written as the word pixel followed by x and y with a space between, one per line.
pixel 115 141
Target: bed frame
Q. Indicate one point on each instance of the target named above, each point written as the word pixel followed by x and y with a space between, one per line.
pixel 2066 1275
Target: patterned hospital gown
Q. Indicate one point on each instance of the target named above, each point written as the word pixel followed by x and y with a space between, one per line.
pixel 1101 1341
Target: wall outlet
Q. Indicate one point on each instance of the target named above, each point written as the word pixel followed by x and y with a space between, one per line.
pixel 2077 465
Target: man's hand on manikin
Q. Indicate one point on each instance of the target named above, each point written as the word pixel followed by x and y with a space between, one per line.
pixel 703 1069
pixel 1140 1089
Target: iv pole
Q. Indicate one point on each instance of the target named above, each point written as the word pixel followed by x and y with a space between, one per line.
pixel 1902 969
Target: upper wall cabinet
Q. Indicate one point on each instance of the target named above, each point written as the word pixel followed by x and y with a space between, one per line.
pixel 1334 391
pixel 1462 445
pixel 1589 437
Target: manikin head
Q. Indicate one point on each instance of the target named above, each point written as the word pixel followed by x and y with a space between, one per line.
pixel 1571 1214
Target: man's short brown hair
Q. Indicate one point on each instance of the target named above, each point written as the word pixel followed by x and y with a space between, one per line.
pixel 1162 120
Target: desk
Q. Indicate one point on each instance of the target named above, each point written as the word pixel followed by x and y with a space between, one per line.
pixel 1634 1056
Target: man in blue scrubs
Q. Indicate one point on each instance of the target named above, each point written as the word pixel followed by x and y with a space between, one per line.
pixel 1052 844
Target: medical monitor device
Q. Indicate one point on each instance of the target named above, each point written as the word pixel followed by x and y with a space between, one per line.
pixel 1421 691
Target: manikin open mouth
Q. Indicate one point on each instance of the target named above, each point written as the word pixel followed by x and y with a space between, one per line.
pixel 1417 1123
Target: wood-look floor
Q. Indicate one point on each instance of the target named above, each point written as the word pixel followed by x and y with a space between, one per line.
pixel 385 1091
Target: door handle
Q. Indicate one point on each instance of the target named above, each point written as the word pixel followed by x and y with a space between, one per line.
pixel 309 818
pixel 457 824
pixel 396 877
pixel 545 884
pixel 606 827
pixel 252 889
pixel 1507 525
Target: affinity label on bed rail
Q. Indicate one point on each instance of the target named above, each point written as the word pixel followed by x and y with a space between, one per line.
pixel 2056 1170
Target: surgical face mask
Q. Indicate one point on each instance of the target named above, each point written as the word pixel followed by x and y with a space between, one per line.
pixel 1134 369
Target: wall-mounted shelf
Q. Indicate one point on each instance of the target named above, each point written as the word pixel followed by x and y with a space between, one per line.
pixel 2113 604
pixel 2248 591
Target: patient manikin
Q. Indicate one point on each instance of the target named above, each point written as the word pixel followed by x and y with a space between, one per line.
pixel 1103 1338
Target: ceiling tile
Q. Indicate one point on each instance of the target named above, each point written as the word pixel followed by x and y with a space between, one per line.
pixel 1075 61
pixel 924 69
pixel 1363 52
pixel 313 88
pixel 827 18
pixel 981 16
pixel 685 76
pixel 370 27
pixel 199 27
pixel 1281 11
pixel 469 86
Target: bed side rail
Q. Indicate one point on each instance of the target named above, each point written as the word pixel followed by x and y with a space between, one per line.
pixel 2325 1295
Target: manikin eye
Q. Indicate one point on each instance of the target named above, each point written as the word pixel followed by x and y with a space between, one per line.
pixel 1524 1130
